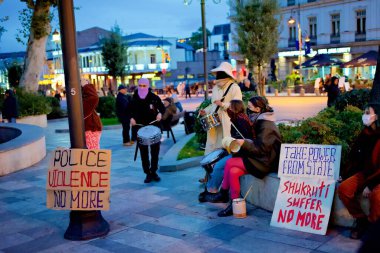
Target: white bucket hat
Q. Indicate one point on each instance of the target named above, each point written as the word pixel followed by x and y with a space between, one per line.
pixel 224 67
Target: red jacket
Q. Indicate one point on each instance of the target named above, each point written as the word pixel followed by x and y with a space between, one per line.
pixel 90 101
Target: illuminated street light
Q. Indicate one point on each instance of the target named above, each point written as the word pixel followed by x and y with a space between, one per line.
pixel 188 2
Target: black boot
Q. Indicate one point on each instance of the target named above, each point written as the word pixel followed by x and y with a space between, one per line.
pixel 202 196
pixel 148 178
pixel 155 177
pixel 359 228
pixel 219 197
pixel 226 212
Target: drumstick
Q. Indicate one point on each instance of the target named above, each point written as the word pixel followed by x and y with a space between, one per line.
pixel 152 122
pixel 237 130
pixel 250 188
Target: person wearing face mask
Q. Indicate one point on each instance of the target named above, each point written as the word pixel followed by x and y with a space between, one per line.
pixel 225 82
pixel 362 173
pixel 147 109
pixel 257 157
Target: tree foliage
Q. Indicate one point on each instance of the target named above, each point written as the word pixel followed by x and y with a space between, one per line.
pixel 14 74
pixel 114 52
pixel 257 30
pixel 196 39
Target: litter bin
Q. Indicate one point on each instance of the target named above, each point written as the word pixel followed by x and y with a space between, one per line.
pixel 189 121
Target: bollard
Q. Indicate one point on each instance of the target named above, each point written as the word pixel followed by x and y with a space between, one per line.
pixel 317 93
pixel 276 92
pixel 289 92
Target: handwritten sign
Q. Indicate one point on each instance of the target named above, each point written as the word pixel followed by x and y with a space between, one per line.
pixel 79 179
pixel 310 160
pixel 307 183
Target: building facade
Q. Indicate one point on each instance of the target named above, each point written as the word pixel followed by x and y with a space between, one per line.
pixel 342 28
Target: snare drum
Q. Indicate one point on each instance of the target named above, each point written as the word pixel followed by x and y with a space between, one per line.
pixel 209 160
pixel 148 135
pixel 210 121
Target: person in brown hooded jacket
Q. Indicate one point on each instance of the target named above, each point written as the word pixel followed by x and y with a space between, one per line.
pixel 92 123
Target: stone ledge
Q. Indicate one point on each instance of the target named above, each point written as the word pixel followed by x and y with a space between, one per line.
pixel 170 163
pixel 264 193
pixel 60 131
pixel 37 120
pixel 23 151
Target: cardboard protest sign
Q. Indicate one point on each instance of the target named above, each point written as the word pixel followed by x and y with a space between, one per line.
pixel 79 179
pixel 303 204
pixel 310 160
pixel 307 183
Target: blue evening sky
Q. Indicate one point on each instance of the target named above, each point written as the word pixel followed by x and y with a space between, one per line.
pixel 169 18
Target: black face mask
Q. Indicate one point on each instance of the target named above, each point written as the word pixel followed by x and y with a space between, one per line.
pixel 253 115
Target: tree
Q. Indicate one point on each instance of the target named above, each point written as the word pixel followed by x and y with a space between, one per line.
pixel 257 29
pixel 36 46
pixel 196 40
pixel 114 52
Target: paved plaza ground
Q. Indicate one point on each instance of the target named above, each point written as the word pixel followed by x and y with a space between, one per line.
pixel 157 217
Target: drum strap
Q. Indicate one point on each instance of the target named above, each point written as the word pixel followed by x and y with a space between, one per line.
pixel 224 95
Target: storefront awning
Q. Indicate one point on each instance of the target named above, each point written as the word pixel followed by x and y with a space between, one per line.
pixel 367 59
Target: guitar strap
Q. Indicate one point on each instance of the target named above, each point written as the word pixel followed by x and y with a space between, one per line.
pixel 225 93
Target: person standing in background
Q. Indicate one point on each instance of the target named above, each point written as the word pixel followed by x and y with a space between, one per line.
pixel 123 113
pixel 10 107
pixel 92 122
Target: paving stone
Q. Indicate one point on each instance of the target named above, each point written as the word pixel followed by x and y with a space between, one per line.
pixel 225 232
pixel 186 223
pixel 10 240
pixel 341 244
pixel 116 247
pixel 159 211
pixel 163 230
pixel 143 240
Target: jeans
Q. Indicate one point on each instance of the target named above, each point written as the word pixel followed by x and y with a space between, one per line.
pixel 216 176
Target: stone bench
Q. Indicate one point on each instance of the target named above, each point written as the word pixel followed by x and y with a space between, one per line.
pixel 22 146
pixel 264 193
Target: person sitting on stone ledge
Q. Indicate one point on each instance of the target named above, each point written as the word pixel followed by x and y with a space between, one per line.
pixel 362 173
pixel 258 157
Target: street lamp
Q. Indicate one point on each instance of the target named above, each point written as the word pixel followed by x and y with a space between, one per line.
pixel 187 2
pixel 291 22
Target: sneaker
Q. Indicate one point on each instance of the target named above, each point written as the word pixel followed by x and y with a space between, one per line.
pixel 155 177
pixel 219 197
pixel 148 179
pixel 226 212
pixel 359 228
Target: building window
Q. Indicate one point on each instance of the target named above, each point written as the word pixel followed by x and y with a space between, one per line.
pixel 216 46
pixel 291 2
pixel 313 27
pixel 292 33
pixel 152 58
pixel 335 25
pixel 360 21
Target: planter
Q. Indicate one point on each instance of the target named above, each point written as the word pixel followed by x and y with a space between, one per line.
pixel 37 120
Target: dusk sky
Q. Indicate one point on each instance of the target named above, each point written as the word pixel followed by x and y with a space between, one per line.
pixel 169 18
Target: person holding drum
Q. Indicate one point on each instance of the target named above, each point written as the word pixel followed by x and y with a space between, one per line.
pixel 146 111
pixel 258 157
pixel 223 92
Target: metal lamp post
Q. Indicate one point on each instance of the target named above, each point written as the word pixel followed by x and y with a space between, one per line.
pixel 291 21
pixel 187 2
pixel 83 225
